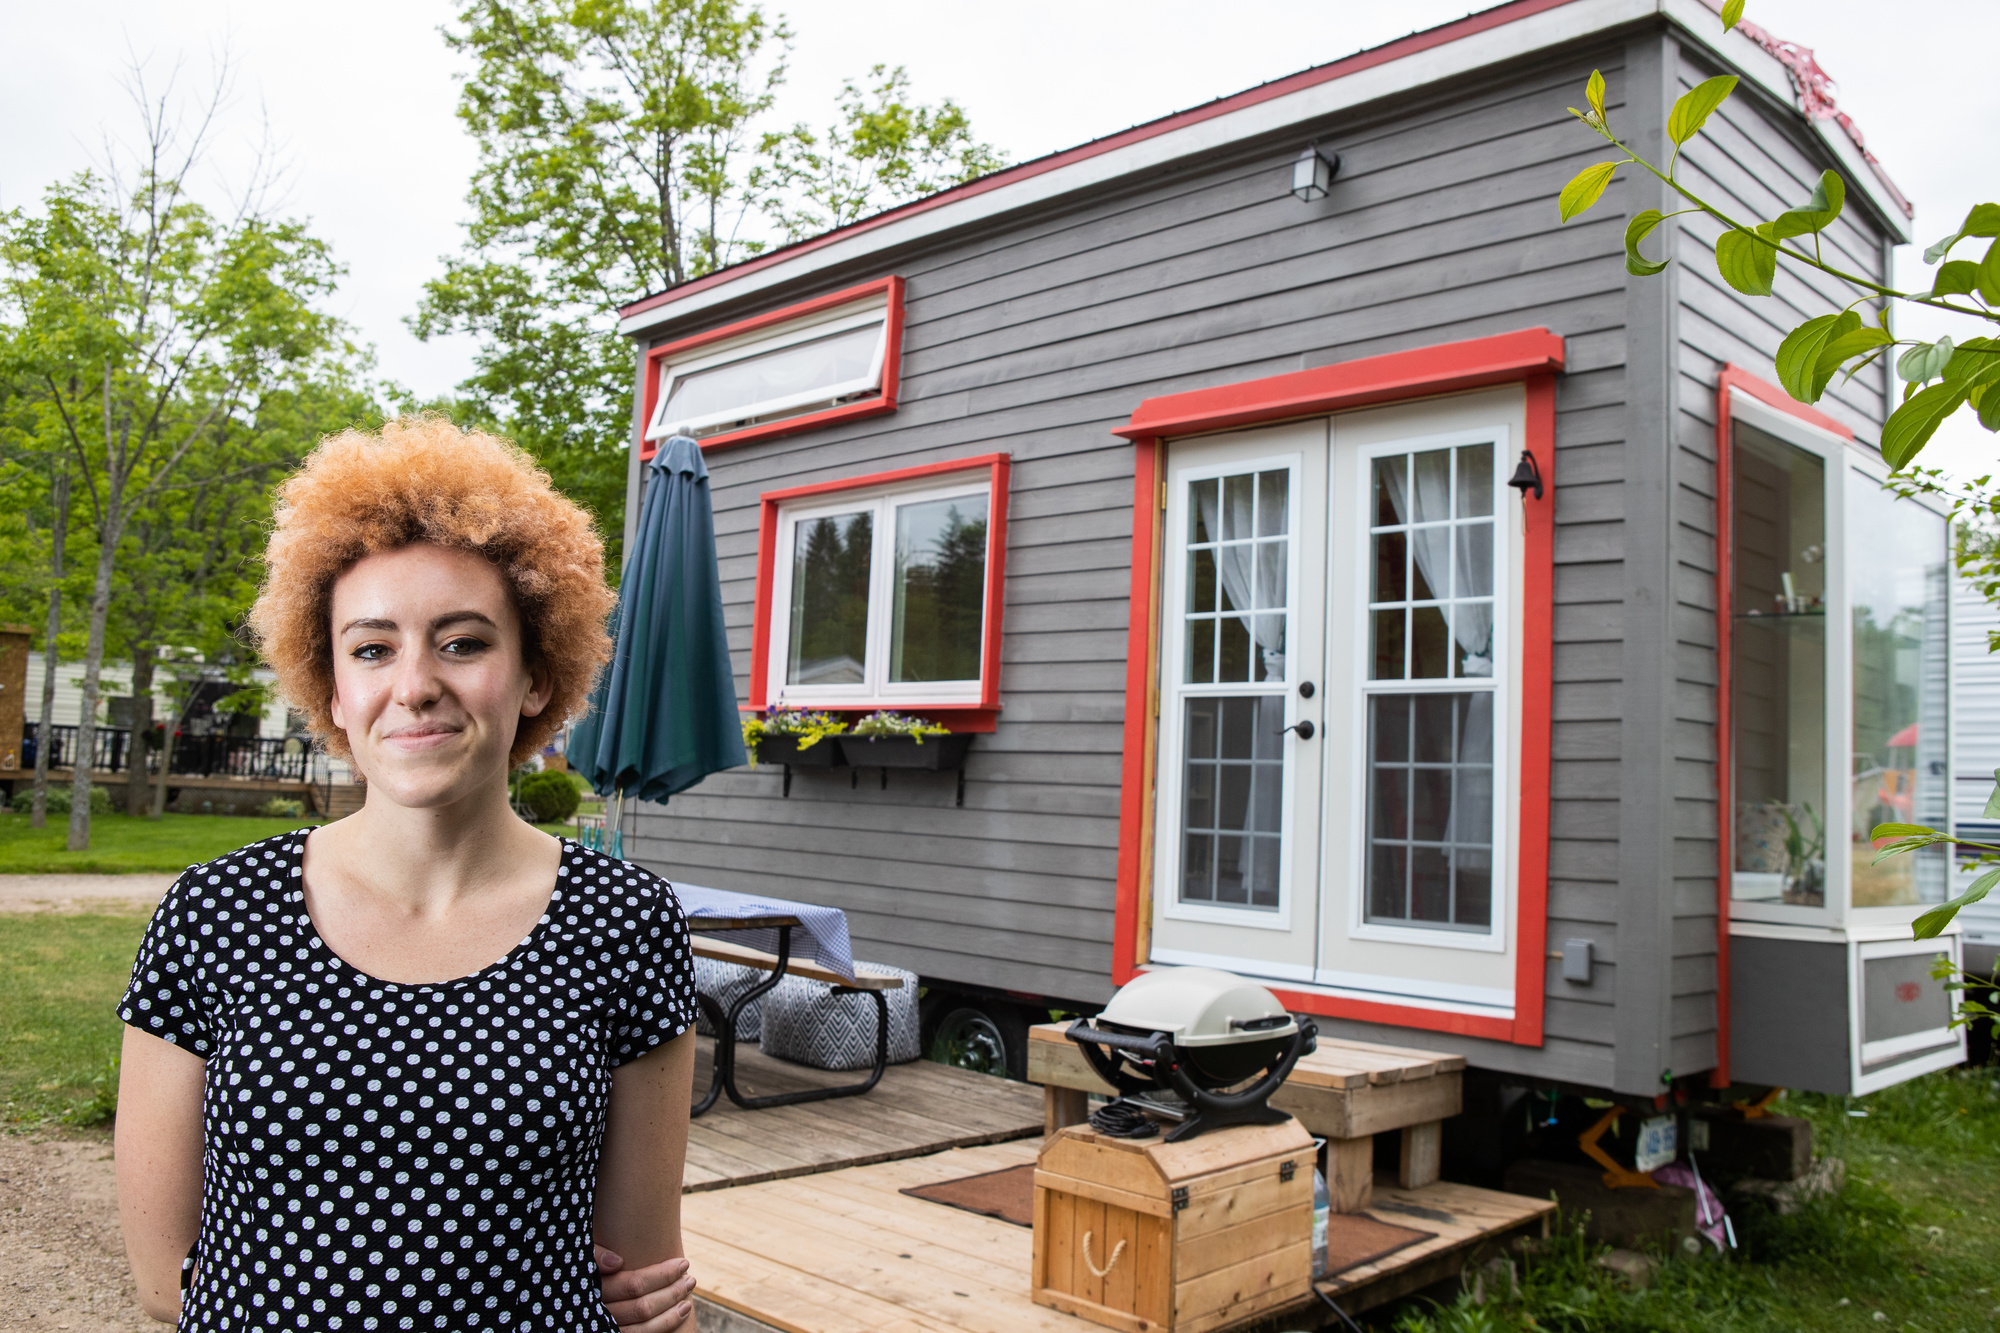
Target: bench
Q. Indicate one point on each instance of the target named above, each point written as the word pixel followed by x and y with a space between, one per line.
pixel 780 965
pixel 721 951
pixel 1346 1092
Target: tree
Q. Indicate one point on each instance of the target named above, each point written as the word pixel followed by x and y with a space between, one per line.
pixel 36 483
pixel 610 138
pixel 142 324
pixel 1939 378
pixel 617 157
pixel 884 151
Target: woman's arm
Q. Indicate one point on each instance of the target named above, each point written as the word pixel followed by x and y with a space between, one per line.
pixel 157 1142
pixel 638 1214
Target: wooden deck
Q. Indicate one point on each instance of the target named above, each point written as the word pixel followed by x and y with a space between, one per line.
pixel 847 1252
pixel 916 1109
pixel 1467 1221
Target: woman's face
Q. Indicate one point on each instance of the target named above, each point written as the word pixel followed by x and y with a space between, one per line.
pixel 429 681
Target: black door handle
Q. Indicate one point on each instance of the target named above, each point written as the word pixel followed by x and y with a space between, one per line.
pixel 1305 730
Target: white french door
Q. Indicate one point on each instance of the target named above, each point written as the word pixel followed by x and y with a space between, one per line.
pixel 1337 713
pixel 1241 634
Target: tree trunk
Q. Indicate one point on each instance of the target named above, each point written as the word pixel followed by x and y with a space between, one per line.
pixel 38 816
pixel 141 720
pixel 93 670
pixel 172 729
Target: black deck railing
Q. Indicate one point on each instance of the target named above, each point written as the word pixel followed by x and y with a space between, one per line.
pixel 283 758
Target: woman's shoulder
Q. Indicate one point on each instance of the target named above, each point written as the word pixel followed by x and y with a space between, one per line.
pixel 614 890
pixel 249 872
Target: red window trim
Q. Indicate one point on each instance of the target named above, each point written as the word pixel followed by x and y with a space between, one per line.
pixel 892 357
pixel 957 714
pixel 1529 356
pixel 1730 380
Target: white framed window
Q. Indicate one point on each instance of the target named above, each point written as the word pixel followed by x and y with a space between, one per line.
pixel 818 361
pixel 879 595
pixel 1433 685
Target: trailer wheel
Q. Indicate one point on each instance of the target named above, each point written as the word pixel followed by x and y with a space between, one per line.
pixel 984 1036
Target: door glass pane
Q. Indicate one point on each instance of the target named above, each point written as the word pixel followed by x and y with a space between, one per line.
pixel 830 563
pixel 1430 810
pixel 1238 563
pixel 1897 586
pixel 1436 507
pixel 1232 802
pixel 940 619
pixel 787 373
pixel 1777 672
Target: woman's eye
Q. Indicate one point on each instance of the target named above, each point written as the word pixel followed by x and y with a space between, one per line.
pixel 463 647
pixel 371 652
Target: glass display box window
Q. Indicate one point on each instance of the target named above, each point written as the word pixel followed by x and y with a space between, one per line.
pixel 1837 617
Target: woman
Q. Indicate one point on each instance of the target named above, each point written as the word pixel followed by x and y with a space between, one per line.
pixel 400 1071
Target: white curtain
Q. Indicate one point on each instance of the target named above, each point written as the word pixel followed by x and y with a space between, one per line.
pixel 1253 575
pixel 1471 622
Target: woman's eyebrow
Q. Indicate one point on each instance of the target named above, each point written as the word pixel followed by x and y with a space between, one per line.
pixel 368 622
pixel 459 617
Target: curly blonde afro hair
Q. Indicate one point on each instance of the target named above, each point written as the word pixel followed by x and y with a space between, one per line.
pixel 422 479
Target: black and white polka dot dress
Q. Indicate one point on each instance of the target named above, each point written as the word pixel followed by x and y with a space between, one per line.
pixel 382 1156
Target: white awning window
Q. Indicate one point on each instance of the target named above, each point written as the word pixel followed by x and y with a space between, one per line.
pixel 826 360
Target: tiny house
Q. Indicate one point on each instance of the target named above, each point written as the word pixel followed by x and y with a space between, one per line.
pixel 1349 576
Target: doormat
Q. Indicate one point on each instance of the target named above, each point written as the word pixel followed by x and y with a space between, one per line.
pixel 1354 1239
pixel 1008 1195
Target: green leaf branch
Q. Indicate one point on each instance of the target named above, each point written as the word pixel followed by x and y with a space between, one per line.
pixel 1747 255
pixel 1905 838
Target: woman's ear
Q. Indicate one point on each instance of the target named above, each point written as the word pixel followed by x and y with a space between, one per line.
pixel 541 686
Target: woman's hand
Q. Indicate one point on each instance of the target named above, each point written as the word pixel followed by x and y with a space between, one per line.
pixel 656 1299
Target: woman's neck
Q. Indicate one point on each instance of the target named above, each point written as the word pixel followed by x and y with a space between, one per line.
pixel 424 859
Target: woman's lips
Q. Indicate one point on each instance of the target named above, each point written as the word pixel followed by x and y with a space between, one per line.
pixel 420 738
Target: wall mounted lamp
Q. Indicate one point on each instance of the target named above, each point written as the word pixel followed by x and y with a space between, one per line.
pixel 1313 172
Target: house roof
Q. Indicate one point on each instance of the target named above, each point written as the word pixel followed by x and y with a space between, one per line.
pixel 1504 32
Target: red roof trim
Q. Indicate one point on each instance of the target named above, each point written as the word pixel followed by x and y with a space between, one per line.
pixel 1469 26
pixel 1444 368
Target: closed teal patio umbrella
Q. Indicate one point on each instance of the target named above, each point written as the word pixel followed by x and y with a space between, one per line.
pixel 663 715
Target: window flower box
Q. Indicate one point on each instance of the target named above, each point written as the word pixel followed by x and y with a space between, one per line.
pixel 933 753
pixel 791 750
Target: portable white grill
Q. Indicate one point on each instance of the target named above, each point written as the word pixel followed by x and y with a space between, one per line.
pixel 1193 1032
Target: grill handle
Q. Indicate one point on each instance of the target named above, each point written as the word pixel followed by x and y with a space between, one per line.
pixel 1156 1049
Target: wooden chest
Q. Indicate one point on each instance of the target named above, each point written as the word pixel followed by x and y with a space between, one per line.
pixel 1185 1237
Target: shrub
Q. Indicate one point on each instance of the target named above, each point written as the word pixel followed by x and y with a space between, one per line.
pixel 280 808
pixel 24 800
pixel 552 796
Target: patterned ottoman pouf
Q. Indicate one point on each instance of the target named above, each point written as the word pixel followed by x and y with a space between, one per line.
pixel 806 1023
pixel 723 982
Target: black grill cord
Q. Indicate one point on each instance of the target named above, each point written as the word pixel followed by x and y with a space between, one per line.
pixel 1122 1120
pixel 1337 1310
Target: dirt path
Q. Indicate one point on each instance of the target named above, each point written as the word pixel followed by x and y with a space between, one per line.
pixel 62 1258
pixel 82 893
pixel 62 1261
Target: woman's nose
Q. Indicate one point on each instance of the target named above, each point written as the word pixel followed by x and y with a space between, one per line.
pixel 416 685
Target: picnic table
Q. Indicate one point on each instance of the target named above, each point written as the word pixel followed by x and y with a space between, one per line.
pixel 824 954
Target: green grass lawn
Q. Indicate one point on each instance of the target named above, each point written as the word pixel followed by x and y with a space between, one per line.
pixel 121 844
pixel 1912 1243
pixel 59 978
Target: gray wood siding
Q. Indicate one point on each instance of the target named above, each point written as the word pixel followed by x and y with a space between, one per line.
pixel 1035 335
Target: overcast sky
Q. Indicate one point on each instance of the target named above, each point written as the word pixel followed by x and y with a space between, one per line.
pixel 359 100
